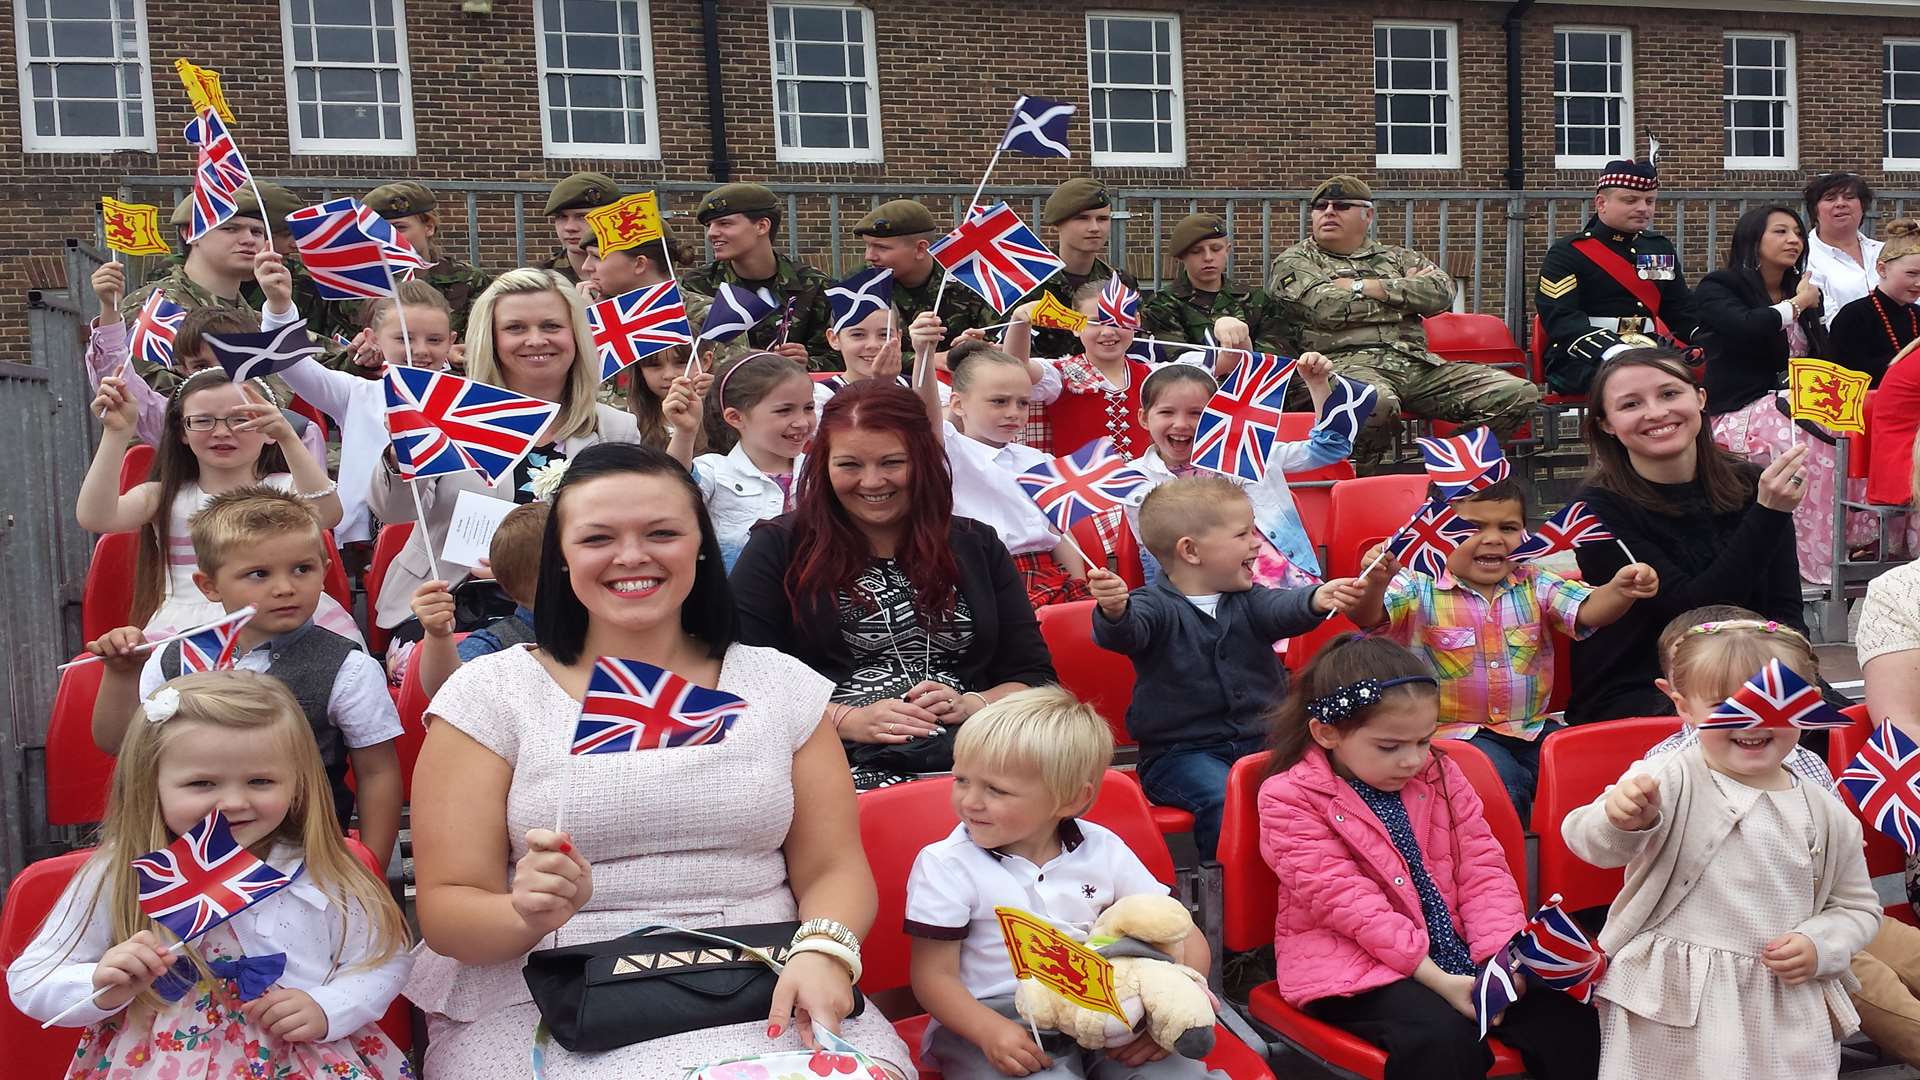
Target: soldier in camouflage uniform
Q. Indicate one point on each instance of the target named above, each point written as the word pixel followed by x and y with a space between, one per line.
pixel 896 235
pixel 742 221
pixel 1204 306
pixel 214 272
pixel 567 207
pixel 1081 213
pixel 633 268
pixel 411 209
pixel 1359 301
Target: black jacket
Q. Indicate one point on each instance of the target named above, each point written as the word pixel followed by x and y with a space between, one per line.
pixel 1572 288
pixel 1747 348
pixel 1860 339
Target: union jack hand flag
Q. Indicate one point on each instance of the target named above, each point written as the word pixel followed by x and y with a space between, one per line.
pixel 218 175
pixel 211 647
pixel 1349 403
pixel 153 329
pixel 1556 952
pixel 203 879
pixel 1776 697
pixel 1119 305
pixel 859 296
pixel 637 324
pixel 1038 127
pixel 1462 463
pixel 631 705
pixel 1882 780
pixel 997 256
pixel 1091 480
pixel 351 252
pixel 1493 989
pixel 1423 544
pixel 442 423
pixel 1237 431
pixel 1572 526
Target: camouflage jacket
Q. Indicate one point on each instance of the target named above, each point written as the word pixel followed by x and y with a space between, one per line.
pixel 805 286
pixel 460 282
pixel 1182 313
pixel 1051 343
pixel 561 263
pixel 960 309
pixel 716 353
pixel 1311 290
pixel 184 291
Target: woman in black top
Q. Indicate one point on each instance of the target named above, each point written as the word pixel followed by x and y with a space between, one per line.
pixel 1871 331
pixel 1717 529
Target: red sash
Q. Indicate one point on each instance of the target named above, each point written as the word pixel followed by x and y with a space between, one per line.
pixel 1626 277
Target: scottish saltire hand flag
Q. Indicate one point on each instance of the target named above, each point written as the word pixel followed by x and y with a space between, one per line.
pixel 1038 127
pixel 1119 305
pixel 151 338
pixel 441 423
pixel 255 356
pixel 1091 480
pixel 1882 780
pixel 1776 697
pixel 859 296
pixel 1555 951
pixel 1423 544
pixel 735 310
pixel 1237 431
pixel 1494 989
pixel 997 256
pixel 637 324
pixel 1459 464
pixel 212 647
pixel 1572 526
pixel 631 705
pixel 351 252
pixel 218 175
pixel 1349 403
pixel 203 879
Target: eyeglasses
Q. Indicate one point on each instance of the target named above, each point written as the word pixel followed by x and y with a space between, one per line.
pixel 1342 205
pixel 208 423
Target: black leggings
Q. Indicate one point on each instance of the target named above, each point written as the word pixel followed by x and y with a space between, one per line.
pixel 1427 1039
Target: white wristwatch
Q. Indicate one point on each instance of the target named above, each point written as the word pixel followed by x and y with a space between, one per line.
pixel 1359 285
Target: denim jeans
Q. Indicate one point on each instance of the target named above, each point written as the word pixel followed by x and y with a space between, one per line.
pixel 1194 778
pixel 1518 763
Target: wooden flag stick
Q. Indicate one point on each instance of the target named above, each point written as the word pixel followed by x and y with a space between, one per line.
pixel 1067 535
pixel 420 515
pixel 941 293
pixel 264 218
pixel 170 638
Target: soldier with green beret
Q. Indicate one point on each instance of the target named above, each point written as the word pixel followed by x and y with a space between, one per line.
pixel 742 221
pixel 897 235
pixel 324 317
pixel 1081 214
pixel 413 211
pixel 1204 306
pixel 214 272
pixel 1344 293
pixel 567 207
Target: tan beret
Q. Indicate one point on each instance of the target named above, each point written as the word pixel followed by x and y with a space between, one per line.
pixel 1343 187
pixel 901 217
pixel 582 191
pixel 402 198
pixel 1076 196
pixel 1197 227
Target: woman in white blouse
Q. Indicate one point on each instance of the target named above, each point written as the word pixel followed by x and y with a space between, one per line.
pixel 1840 258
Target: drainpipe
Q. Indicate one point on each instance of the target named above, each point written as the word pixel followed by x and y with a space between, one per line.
pixel 1516 152
pixel 718 164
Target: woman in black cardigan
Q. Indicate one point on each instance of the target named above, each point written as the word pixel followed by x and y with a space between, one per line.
pixel 1717 529
pixel 918 617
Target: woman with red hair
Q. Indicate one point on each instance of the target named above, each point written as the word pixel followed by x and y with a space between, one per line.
pixel 919 617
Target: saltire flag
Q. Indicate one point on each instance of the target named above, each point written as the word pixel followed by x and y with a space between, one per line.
pixel 1349 403
pixel 255 356
pixel 1236 433
pixel 1459 464
pixel 637 324
pixel 1494 989
pixel 203 879
pixel 1556 952
pixel 735 310
pixel 632 705
pixel 218 174
pixel 212 647
pixel 1423 544
pixel 1776 697
pixel 1881 779
pixel 1038 127
pixel 996 255
pixel 441 423
pixel 1573 526
pixel 351 252
pixel 151 338
pixel 1091 480
pixel 1119 305
pixel 132 228
pixel 859 296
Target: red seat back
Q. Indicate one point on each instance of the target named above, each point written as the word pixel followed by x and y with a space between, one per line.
pixel 135 467
pixel 386 548
pixel 78 774
pixel 1537 350
pixel 1884 854
pixel 1466 337
pixel 336 584
pixel 106 598
pixel 1365 511
pixel 313 414
pixel 1576 765
pixel 1497 807
pixel 1096 676
pixel 412 704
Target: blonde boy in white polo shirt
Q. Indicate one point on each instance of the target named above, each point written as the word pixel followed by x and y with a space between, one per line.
pixel 1022 769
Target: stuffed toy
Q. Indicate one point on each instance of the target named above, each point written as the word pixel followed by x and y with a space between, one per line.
pixel 1138 934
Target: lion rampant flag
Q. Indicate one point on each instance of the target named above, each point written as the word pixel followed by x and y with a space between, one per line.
pixel 628 223
pixel 1051 314
pixel 1065 966
pixel 1826 393
pixel 203 88
pixel 132 228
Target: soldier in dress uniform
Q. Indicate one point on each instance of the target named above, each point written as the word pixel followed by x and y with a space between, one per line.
pixel 567 207
pixel 1203 306
pixel 897 235
pixel 1081 214
pixel 214 272
pixel 411 208
pixel 1614 285
pixel 742 222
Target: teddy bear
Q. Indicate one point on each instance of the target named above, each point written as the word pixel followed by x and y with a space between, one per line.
pixel 1138 934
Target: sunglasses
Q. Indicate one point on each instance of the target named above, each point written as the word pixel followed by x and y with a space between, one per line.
pixel 1341 205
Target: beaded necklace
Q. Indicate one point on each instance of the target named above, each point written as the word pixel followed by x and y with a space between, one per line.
pixel 1913 322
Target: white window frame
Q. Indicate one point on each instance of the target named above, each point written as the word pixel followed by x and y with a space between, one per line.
pixel 1891 163
pixel 31 141
pixel 1599 161
pixel 1790 116
pixel 874 150
pixel 1174 158
pixel 305 145
pixel 1450 159
pixel 646 150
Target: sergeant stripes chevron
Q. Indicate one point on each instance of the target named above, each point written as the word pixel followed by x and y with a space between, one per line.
pixel 1555 289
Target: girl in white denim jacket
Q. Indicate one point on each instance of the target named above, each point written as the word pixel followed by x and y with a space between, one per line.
pixel 762 404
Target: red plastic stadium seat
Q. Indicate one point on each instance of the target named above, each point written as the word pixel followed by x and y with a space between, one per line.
pixel 386 547
pixel 1469 338
pixel 412 703
pixel 1537 359
pixel 337 586
pixel 1367 510
pixel 135 466
pixel 1497 806
pixel 313 414
pixel 77 773
pixel 1576 765
pixel 106 598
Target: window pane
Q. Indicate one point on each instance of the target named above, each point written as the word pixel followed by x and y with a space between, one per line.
pixel 1591 112
pixel 349 122
pixel 1749 83
pixel 1412 75
pixel 43 118
pixel 310 121
pixel 1906 57
pixel 556 47
pixel 1586 142
pixel 590 16
pixel 1906 87
pixel 816 24
pixel 1410 42
pixel 1130 105
pixel 384 44
pixel 1904 144
pixel 634 54
pixel 389 87
pixel 1414 140
pixel 1133 138
pixel 1098 72
pixel 37 45
pixel 599 53
pixel 635 88
pixel 550 14
pixel 1163 70
pixel 823 98
pixel 72 38
pixel 306 84
pixel 342 12
pixel 85 9
pixel 593 92
pixel 1589 79
pixel 825 132
pixel 89 118
pixel 1753 114
pixel 1131 67
pixel 1411 109
pixel 36 9
pixel 344 46
pixel 42 76
pixel 598 127
pixel 136 119
pixel 1131 34
pixel 859 132
pixel 1904 117
pixel 87 81
pixel 346 85
pixel 1590 47
pixel 820 60
pixel 302 46
pixel 557 122
pixel 390 123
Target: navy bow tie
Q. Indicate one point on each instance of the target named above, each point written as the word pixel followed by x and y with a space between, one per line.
pixel 255 975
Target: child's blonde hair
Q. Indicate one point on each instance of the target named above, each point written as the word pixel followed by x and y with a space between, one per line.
pixel 1711 659
pixel 1184 506
pixel 410 294
pixel 1678 626
pixel 238 519
pixel 1046 729
pixel 969 358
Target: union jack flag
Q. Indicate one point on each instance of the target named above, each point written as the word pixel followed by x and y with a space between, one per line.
pixel 631 705
pixel 1091 480
pixel 442 423
pixel 218 175
pixel 211 647
pixel 351 252
pixel 1423 544
pixel 1776 697
pixel 1236 433
pixel 1572 526
pixel 638 324
pixel 1555 951
pixel 1459 464
pixel 1494 989
pixel 996 255
pixel 153 330
pixel 1119 305
pixel 203 879
pixel 1882 780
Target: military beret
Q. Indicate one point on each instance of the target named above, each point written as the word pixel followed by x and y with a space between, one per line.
pixel 245 206
pixel 736 199
pixel 1343 187
pixel 582 191
pixel 280 202
pixel 1197 227
pixel 402 198
pixel 1638 175
pixel 901 217
pixel 1076 196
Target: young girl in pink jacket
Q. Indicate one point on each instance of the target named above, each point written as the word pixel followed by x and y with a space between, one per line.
pixel 1393 890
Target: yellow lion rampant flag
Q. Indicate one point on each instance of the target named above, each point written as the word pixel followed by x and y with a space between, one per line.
pixel 1065 966
pixel 203 88
pixel 1051 314
pixel 132 228
pixel 1826 393
pixel 628 223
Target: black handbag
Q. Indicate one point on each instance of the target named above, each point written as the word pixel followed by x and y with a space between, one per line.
pixel 659 981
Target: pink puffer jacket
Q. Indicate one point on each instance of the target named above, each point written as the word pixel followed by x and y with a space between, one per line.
pixel 1349 918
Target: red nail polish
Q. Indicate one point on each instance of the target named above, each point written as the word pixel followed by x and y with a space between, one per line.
pixel 774 1030
pixel 566 848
